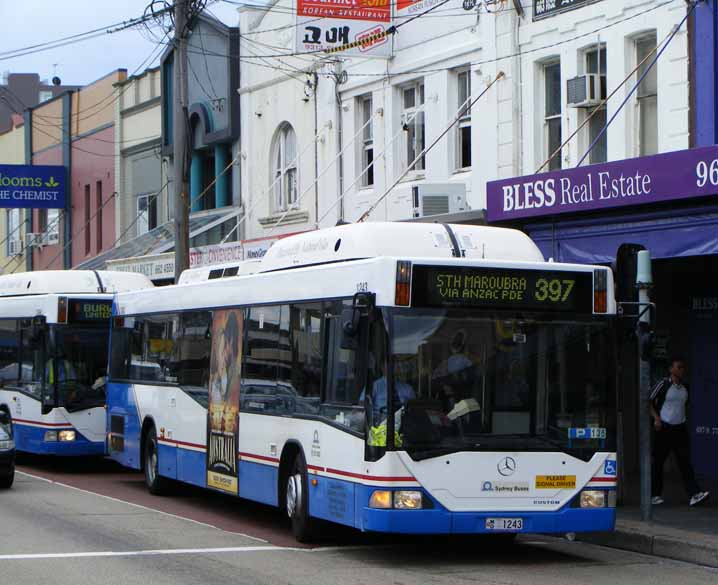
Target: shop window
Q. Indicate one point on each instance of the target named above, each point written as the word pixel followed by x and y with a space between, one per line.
pixel 146 212
pixel 413 123
pixel 463 144
pixel 647 98
pixel 552 113
pixel 98 214
pixel 284 167
pixel 14 239
pixel 367 144
pixel 88 233
pixel 596 63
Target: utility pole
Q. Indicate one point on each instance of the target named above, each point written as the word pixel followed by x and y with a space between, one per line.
pixel 644 282
pixel 179 139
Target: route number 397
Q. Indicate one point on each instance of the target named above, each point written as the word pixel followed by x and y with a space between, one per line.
pixel 554 290
pixel 707 173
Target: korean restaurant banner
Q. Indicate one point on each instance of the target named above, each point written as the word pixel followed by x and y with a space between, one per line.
pixel 352 27
pixel 223 407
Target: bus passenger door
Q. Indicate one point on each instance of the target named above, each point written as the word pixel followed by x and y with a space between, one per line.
pixel 36 374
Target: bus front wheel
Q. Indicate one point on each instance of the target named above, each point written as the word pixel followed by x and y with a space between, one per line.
pixel 297 501
pixel 156 484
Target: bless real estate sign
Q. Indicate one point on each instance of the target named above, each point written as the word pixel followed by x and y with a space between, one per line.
pixel 32 186
pixel 651 179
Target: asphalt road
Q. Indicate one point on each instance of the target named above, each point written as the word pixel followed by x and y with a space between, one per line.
pixel 94 524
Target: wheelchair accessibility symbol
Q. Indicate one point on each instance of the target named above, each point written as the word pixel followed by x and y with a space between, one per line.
pixel 609 467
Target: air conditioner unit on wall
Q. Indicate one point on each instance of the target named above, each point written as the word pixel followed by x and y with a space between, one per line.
pixel 34 239
pixel 586 91
pixel 51 238
pixel 14 248
pixel 438 198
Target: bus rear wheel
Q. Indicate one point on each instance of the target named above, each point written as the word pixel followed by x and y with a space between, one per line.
pixel 156 484
pixel 297 501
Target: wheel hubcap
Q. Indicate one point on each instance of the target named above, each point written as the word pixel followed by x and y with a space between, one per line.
pixel 294 494
pixel 151 463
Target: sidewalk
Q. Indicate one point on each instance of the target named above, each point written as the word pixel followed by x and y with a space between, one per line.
pixel 675 532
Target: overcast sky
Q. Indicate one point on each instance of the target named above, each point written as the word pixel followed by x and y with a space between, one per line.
pixel 31 22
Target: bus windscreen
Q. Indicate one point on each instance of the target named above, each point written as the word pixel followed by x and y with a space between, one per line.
pixel 502 288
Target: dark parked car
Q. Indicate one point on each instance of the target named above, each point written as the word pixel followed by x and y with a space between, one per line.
pixel 7 451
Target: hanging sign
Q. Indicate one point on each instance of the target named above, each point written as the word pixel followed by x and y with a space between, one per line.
pixel 352 27
pixel 32 186
pixel 659 178
pixel 545 8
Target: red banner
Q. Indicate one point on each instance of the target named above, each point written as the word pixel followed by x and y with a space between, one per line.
pixel 371 10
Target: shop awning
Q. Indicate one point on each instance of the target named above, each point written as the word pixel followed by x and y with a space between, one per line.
pixel 160 239
pixel 667 234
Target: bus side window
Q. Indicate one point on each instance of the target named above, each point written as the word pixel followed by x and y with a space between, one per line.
pixel 340 402
pixel 300 355
pixel 193 343
pixel 9 352
pixel 260 391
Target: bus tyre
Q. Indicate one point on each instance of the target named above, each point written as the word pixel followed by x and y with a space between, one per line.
pixel 156 484
pixel 6 482
pixel 297 501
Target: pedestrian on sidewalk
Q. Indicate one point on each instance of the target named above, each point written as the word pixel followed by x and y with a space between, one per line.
pixel 667 404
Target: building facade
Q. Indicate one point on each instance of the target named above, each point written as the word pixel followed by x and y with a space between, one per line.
pixel 213 117
pixel 76 130
pixel 12 221
pixel 141 177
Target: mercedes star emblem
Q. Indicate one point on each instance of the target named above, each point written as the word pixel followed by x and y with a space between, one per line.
pixel 506 466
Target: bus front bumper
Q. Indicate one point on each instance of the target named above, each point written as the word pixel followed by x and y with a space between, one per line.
pixel 438 521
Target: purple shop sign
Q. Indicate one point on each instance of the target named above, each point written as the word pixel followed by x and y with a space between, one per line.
pixel 651 179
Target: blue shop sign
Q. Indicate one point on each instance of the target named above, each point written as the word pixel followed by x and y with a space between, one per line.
pixel 32 186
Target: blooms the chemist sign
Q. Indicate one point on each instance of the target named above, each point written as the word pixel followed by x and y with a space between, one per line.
pixel 32 186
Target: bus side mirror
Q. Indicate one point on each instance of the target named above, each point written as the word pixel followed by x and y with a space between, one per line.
pixel 38 328
pixel 351 318
pixel 4 418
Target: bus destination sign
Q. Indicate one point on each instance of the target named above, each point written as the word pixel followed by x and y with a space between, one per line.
pixel 89 311
pixel 502 288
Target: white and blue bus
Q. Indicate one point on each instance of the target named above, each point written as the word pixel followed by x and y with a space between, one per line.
pixel 54 335
pixel 407 378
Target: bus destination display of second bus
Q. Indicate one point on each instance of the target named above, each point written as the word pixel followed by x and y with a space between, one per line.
pixel 502 288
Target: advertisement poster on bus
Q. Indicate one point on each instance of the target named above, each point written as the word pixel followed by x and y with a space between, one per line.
pixel 352 27
pixel 223 408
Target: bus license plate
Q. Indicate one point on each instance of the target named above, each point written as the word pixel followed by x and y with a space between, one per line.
pixel 509 524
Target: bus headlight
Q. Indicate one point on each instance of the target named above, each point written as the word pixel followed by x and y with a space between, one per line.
pixel 50 436
pixel 67 435
pixel 7 444
pixel 407 500
pixel 593 499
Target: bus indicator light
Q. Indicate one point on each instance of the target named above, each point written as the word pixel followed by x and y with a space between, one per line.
pixel 600 291
pixel 380 499
pixel 62 310
pixel 403 283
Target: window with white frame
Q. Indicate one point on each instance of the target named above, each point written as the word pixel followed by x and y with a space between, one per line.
pixel 14 245
pixel 413 123
pixel 463 144
pixel 53 225
pixel 647 98
pixel 284 167
pixel 367 144
pixel 596 64
pixel 146 212
pixel 552 113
